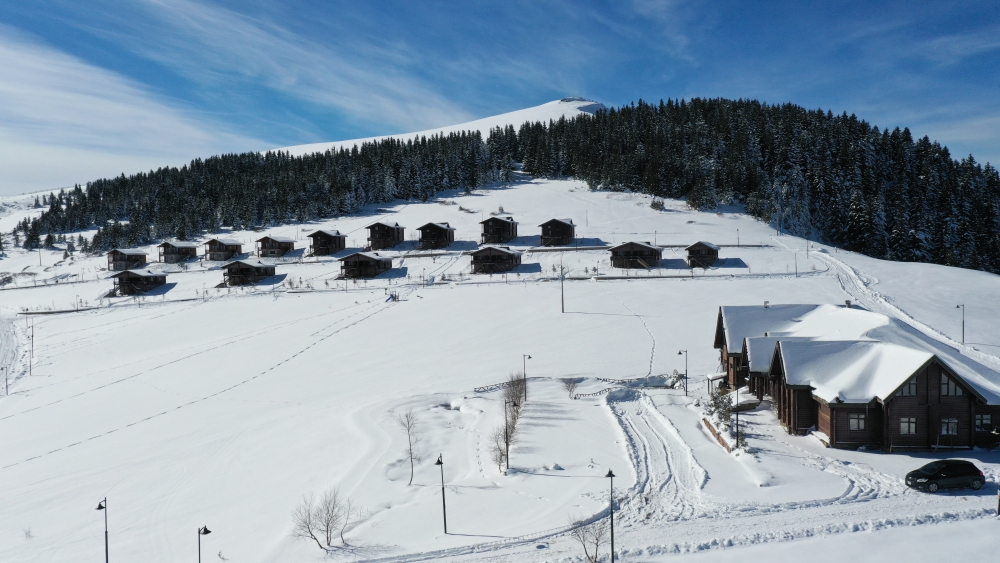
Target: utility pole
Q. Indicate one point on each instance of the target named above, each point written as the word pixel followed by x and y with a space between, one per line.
pixel 562 284
pixel 524 374
pixel 962 306
pixel 685 352
pixel 31 358
pixel 6 388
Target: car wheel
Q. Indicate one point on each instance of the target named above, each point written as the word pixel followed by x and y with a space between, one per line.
pixel 977 484
pixel 932 487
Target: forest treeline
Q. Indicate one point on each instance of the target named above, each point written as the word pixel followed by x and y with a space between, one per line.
pixel 832 178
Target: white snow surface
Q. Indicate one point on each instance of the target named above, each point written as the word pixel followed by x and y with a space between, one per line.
pixel 198 405
pixel 566 107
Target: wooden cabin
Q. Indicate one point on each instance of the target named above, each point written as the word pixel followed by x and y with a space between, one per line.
pixel 872 394
pixel 498 230
pixel 754 369
pixel 119 259
pixel 635 255
pixel 135 282
pixel 274 247
pixel 174 251
pixel 325 243
pixel 494 259
pixel 364 265
pixel 702 254
pixel 384 235
pixel 436 235
pixel 218 249
pixel 558 232
pixel 245 272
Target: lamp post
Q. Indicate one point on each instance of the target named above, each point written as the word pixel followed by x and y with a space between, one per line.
pixel 685 352
pixel 6 387
pixel 202 531
pixel 962 307
pixel 524 374
pixel 103 505
pixel 444 507
pixel 506 432
pixel 611 513
pixel 737 409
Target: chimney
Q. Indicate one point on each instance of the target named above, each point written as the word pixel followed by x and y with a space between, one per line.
pixel 847 303
pixel 767 304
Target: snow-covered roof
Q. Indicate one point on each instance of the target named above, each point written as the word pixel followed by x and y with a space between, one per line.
pixel 130 252
pixel 325 232
pixel 563 221
pixel 140 273
pixel 760 351
pixel 179 244
pixel 257 264
pixel 829 322
pixel 444 226
pixel 643 244
pixel 369 255
pixel 502 249
pixel 703 243
pixel 384 224
pixel 225 241
pixel 851 371
pixel 276 239
pixel 506 219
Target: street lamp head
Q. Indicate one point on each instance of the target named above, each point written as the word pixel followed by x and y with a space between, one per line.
pixel 610 474
pixel 959 306
pixel 439 461
pixel 100 505
pixel 204 531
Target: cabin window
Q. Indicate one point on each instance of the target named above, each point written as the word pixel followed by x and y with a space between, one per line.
pixel 984 423
pixel 908 425
pixel 909 388
pixel 949 427
pixel 856 421
pixel 949 387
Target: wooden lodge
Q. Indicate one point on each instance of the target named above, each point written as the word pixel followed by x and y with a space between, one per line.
pixel 174 251
pixel 494 260
pixel 135 282
pixel 436 235
pixel 558 232
pixel 384 235
pixel 702 254
pixel 325 243
pixel 635 255
pixel 244 272
pixel 218 249
pixel 119 259
pixel 364 265
pixel 274 247
pixel 498 230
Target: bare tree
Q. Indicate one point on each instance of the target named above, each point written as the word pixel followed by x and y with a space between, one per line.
pixel 351 513
pixel 498 447
pixel 328 515
pixel 570 386
pixel 304 524
pixel 323 520
pixel 408 421
pixel 590 536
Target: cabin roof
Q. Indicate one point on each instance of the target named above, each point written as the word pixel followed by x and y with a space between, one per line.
pixel 248 264
pixel 643 244
pixel 276 239
pixel 325 232
pixel 140 273
pixel 509 220
pixel 568 222
pixel 130 252
pixel 179 244
pixel 827 321
pixel 444 226
pixel 368 255
pixel 384 224
pixel 703 243
pixel 501 249
pixel 225 241
pixel 760 351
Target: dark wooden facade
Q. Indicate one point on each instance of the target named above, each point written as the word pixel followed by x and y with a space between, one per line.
pixel 172 252
pixel 364 265
pixel 325 243
pixel 119 260
pixel 494 259
pixel 634 255
pixel 274 247
pixel 384 235
pixel 241 272
pixel 558 232
pixel 218 249
pixel 702 254
pixel 498 230
pixel 135 282
pixel 436 235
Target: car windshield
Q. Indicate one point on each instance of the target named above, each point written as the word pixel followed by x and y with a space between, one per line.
pixel 931 468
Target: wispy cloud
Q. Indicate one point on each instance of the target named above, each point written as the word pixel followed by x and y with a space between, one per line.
pixel 64 121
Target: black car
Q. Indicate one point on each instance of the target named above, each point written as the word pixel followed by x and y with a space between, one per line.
pixel 946 474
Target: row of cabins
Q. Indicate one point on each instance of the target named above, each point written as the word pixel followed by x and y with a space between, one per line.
pixel 237 272
pixel 495 230
pixel 822 374
pixel 642 255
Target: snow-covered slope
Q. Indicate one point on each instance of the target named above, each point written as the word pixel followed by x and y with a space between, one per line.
pixel 568 107
pixel 200 405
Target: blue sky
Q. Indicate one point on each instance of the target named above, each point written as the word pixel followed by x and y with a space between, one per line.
pixel 98 87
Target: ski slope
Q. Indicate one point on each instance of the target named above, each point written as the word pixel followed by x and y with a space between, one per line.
pixel 199 405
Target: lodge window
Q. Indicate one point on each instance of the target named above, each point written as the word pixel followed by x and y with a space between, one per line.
pixel 984 423
pixel 949 387
pixel 909 388
pixel 908 425
pixel 856 422
pixel 949 426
